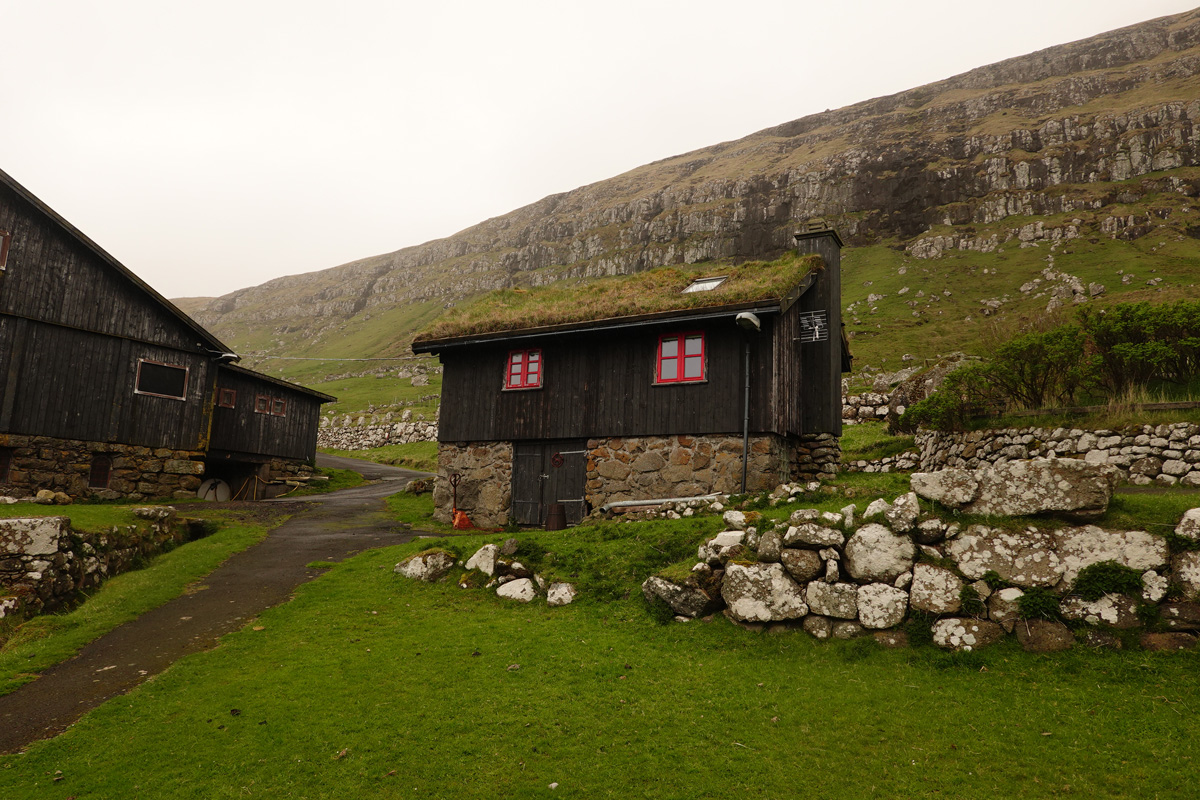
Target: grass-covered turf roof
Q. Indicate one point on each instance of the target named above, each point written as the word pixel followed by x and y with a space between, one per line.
pixel 650 292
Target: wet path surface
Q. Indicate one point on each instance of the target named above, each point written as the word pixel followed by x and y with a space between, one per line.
pixel 326 528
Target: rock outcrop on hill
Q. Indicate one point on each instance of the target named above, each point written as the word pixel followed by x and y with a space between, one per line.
pixel 938 168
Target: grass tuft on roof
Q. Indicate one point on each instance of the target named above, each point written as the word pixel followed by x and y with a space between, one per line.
pixel 653 291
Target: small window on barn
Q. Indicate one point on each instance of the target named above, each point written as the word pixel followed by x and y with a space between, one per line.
pixel 278 407
pixel 101 471
pixel 227 398
pixel 5 241
pixel 680 358
pixel 524 370
pixel 705 284
pixel 262 404
pixel 162 380
pixel 6 459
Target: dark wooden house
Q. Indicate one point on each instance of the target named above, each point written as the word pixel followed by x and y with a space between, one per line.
pixel 731 377
pixel 106 388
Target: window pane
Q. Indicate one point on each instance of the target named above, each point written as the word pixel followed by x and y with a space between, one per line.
pixel 693 367
pixel 669 348
pixel 668 369
pixel 162 379
pixel 517 358
pixel 535 356
pixel 693 345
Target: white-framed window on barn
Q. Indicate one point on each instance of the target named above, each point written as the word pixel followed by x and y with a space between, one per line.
pixel 159 379
pixel 680 358
pixel 5 242
pixel 524 370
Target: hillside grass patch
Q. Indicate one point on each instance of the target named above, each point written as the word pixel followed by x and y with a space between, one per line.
pixel 420 456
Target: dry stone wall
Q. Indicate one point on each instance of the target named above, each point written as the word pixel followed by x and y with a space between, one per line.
pixel 44 563
pixel 1144 454
pixel 64 465
pixel 362 437
pixel 484 491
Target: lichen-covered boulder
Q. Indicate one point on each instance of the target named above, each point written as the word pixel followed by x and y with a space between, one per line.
pixel 35 536
pixel 521 590
pixel 1081 547
pixel 769 545
pixel 802 565
pixel 484 559
pixel 1026 558
pixel 561 594
pixel 818 627
pixel 935 589
pixel 685 600
pixel 874 553
pixel 1113 610
pixel 1021 487
pixel 958 633
pixel 1044 636
pixel 722 547
pixel 1189 526
pixel 902 513
pixel 881 606
pixel 1003 608
pixel 429 566
pixel 762 593
pixel 1185 571
pixel 845 629
pixel 833 599
pixel 811 534
pixel 1181 616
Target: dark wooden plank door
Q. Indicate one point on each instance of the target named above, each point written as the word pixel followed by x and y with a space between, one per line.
pixel 549 472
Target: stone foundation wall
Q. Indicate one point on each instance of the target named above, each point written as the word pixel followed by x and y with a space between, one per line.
pixel 815 457
pixel 640 468
pixel 64 465
pixel 485 488
pixel 361 437
pixel 44 564
pixel 1165 454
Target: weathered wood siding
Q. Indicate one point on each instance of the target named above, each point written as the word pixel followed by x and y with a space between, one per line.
pixel 72 384
pixel 821 363
pixel 242 430
pixel 53 277
pixel 602 384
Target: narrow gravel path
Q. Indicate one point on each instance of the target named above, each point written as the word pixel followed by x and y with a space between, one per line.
pixel 327 528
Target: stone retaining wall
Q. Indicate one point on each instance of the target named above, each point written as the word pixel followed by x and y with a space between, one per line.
pixel 1165 454
pixel 44 564
pixel 866 407
pixel 356 437
pixel 485 486
pixel 64 465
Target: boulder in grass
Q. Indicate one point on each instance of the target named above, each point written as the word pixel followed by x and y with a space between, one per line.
pixel 688 599
pixel 429 566
pixel 561 594
pixel 965 634
pixel 484 559
pixel 521 590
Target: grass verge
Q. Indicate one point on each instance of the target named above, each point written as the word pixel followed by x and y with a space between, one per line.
pixel 420 456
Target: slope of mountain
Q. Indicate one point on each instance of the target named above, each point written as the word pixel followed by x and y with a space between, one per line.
pixel 968 204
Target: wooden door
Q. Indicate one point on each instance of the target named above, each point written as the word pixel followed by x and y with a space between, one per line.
pixel 549 472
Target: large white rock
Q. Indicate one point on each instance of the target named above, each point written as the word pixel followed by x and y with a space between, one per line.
pixel 762 593
pixel 903 512
pixel 881 606
pixel 1026 558
pixel 521 590
pixel 1017 488
pixel 874 553
pixel 484 559
pixel 1081 547
pixel 38 536
pixel 561 594
pixel 722 547
pixel 1189 526
pixel 833 599
pixel 935 590
pixel 429 567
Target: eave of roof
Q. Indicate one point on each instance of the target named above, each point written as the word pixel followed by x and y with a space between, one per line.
pixel 593 326
pixel 295 387
pixel 75 233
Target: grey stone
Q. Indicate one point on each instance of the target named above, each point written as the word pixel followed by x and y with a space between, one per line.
pixel 769 545
pixel 846 629
pixel 802 565
pixel 1185 571
pixel 810 533
pixel 1181 616
pixel 762 593
pixel 1112 610
pixel 1081 547
pixel 935 590
pixel 429 567
pixel 684 600
pixel 1044 636
pixel 519 589
pixel 1018 488
pixel 881 605
pixel 1189 525
pixel 833 599
pixel 874 553
pixel 484 559
pixel 561 594
pixel 818 627
pixel 903 512
pixel 1026 558
pixel 1003 608
pixel 965 634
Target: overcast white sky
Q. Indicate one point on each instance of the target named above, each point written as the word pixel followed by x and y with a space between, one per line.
pixel 212 146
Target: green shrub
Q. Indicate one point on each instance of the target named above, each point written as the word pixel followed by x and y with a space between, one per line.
pixel 1037 603
pixel 971 602
pixel 1107 577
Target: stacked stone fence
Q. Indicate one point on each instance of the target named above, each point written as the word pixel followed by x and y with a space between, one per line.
pixel 1144 454
pixel 45 563
pixel 865 407
pixel 362 437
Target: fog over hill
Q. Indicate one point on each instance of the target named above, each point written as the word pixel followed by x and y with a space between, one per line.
pixel 1090 142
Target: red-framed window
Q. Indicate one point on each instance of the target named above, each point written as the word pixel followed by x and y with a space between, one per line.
pixel 278 407
pixel 524 370
pixel 680 358
pixel 262 404
pixel 227 398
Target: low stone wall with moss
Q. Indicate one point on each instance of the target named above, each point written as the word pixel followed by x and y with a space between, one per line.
pixel 45 564
pixel 1145 454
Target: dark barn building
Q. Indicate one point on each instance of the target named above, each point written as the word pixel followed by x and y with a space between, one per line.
pixel 107 389
pixel 650 405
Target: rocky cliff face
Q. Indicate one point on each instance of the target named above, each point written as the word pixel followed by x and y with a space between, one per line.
pixel 1058 134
